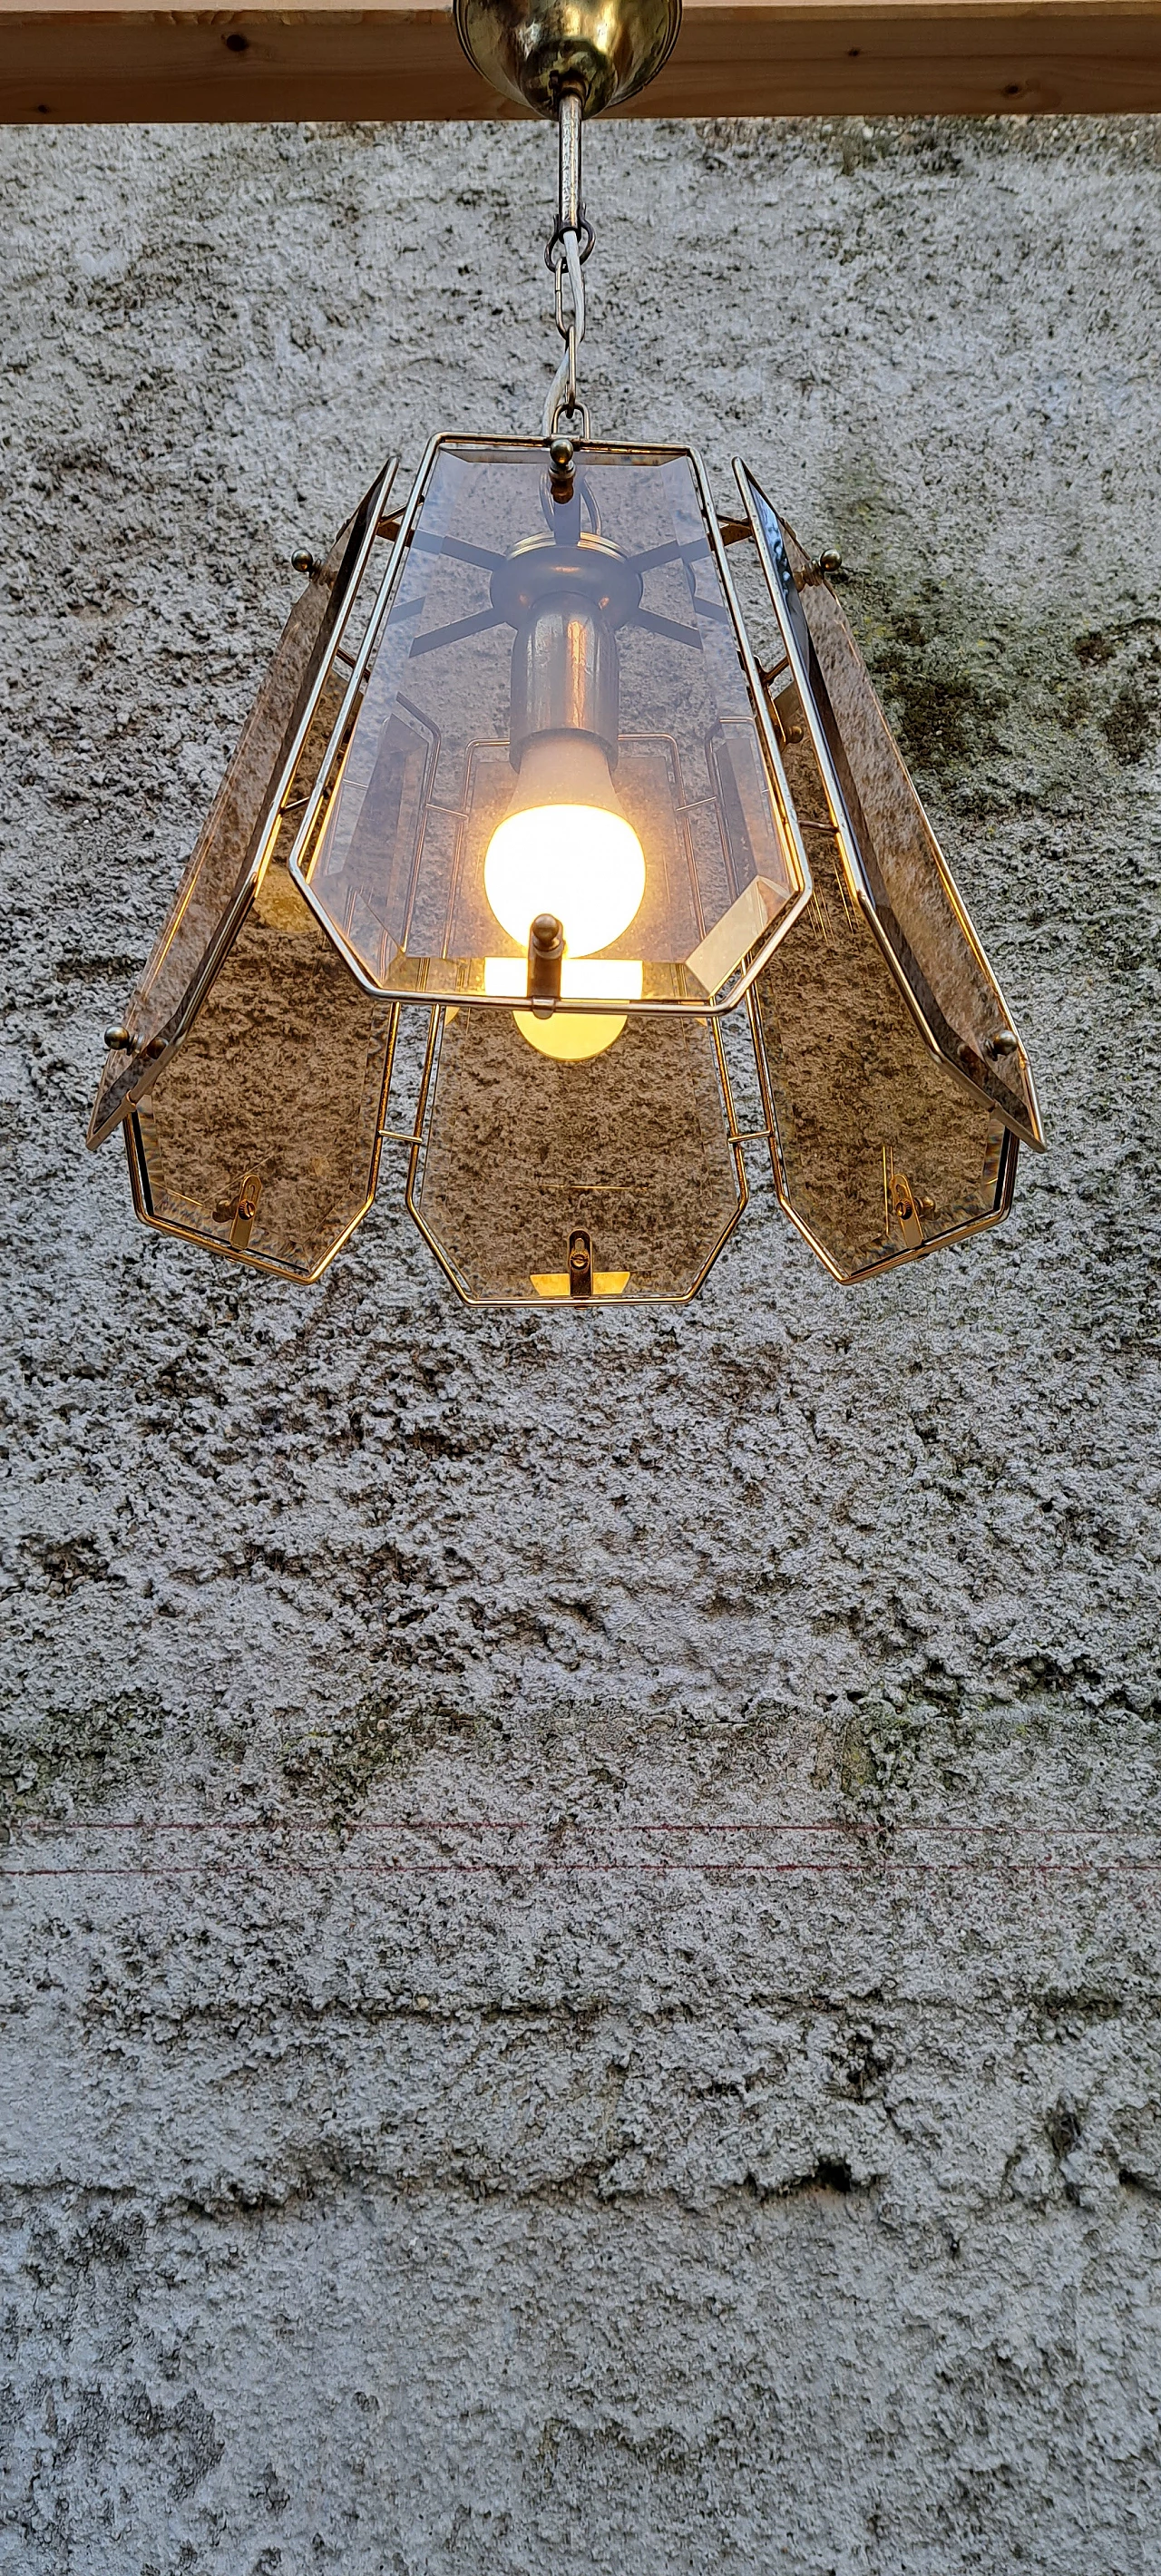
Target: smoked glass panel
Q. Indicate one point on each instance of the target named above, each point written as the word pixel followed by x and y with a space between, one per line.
pixel 260 1134
pixel 234 833
pixel 468 670
pixel 882 1152
pixel 916 902
pixel 629 1150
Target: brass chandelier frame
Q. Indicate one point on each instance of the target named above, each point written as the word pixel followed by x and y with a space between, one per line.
pixel 877 1027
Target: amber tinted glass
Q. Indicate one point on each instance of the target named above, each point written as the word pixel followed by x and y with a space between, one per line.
pixel 916 902
pixel 629 1151
pixel 881 1151
pixel 260 1134
pixel 428 764
pixel 234 832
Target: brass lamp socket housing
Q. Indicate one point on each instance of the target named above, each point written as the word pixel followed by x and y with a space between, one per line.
pixel 534 50
pixel 565 602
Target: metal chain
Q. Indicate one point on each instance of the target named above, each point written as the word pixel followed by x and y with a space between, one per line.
pixel 566 250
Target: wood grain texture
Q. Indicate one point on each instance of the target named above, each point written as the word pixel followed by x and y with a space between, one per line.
pixel 63 65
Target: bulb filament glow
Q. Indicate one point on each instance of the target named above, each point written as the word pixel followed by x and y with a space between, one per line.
pixel 565 847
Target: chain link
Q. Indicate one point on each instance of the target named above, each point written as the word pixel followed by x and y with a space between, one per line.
pixel 565 253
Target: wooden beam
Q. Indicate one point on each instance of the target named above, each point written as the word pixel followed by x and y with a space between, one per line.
pixel 63 65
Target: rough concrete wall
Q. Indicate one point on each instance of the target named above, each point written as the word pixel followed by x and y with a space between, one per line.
pixel 779 2189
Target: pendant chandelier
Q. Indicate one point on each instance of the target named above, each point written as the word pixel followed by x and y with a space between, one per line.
pixel 529 878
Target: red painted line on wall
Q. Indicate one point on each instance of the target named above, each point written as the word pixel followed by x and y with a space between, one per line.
pixel 602 1869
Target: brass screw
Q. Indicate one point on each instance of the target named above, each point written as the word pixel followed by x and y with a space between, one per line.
pixel 831 560
pixel 118 1037
pixel 1005 1042
pixel 304 561
pixel 561 481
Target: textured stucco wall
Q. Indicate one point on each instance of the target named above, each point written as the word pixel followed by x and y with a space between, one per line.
pixel 583 2213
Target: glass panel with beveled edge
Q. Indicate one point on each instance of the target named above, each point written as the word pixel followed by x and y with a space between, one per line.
pixel 881 1152
pixel 229 847
pixel 541 1181
pixel 260 1132
pixel 915 899
pixel 560 717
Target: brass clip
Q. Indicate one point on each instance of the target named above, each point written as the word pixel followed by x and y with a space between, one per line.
pixel 580 1263
pixel 545 959
pixel 903 1208
pixel 240 1213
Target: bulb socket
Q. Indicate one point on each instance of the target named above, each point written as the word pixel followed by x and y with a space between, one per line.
pixel 565 601
pixel 566 675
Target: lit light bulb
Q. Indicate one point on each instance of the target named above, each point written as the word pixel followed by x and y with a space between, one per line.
pixel 571 1037
pixel 565 847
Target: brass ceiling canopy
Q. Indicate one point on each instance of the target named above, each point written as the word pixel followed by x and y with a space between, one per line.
pixel 529 876
pixel 534 50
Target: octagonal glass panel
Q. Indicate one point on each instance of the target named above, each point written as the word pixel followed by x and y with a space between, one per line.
pixel 541 1181
pixel 260 1133
pixel 896 870
pixel 557 715
pixel 278 755
pixel 881 1152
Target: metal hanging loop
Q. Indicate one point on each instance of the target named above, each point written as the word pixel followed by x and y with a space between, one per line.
pixel 568 59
